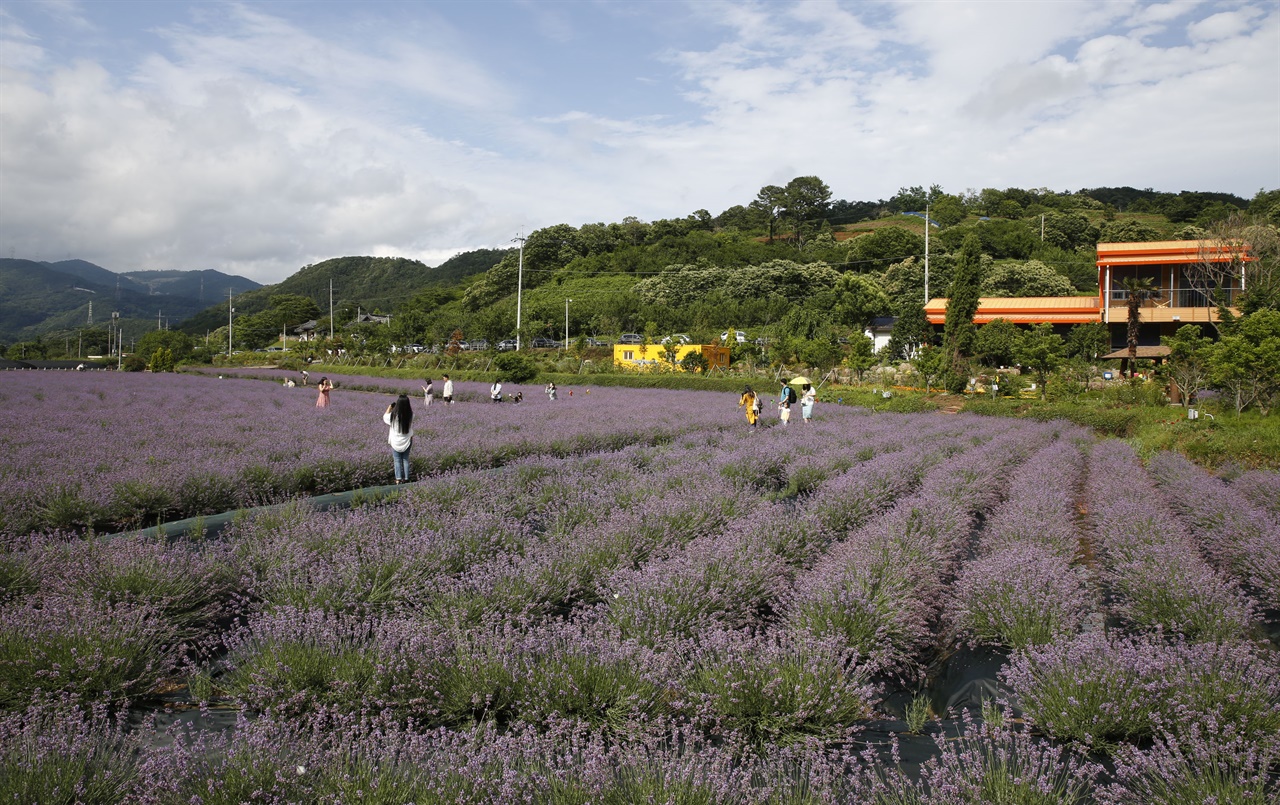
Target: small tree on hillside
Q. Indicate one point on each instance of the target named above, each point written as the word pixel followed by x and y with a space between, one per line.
pixel 1189 354
pixel 1040 349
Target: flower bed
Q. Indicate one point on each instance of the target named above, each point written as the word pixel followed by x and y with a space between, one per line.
pixel 689 610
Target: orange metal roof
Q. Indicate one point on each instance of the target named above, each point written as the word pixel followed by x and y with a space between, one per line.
pixel 1025 309
pixel 1163 252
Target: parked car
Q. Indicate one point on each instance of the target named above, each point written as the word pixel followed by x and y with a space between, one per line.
pixel 681 337
pixel 507 345
pixel 460 345
pixel 631 338
pixel 545 343
pixel 738 336
pixel 478 344
pixel 599 342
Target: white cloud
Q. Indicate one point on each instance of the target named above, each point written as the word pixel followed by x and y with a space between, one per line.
pixel 257 144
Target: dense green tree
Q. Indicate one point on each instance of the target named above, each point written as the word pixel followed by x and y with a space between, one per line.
pixel 1032 278
pixel 804 204
pixel 1070 231
pixel 857 299
pixel 1127 232
pixel 1041 350
pixel 861 355
pixel 1088 341
pixel 962 303
pixel 881 248
pixel 948 211
pixel 177 344
pixel 1189 352
pixel 911 331
pixel 996 342
pixel 769 204
pixel 1245 362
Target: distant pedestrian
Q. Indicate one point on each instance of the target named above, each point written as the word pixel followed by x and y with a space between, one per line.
pixel 325 387
pixel 551 390
pixel 807 397
pixel 305 377
pixel 518 398
pixel 748 401
pixel 495 391
pixel 399 416
pixel 428 393
pixel 784 404
pixel 447 396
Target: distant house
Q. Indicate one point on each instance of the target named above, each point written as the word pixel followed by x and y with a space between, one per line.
pixel 879 330
pixel 641 356
pixel 369 318
pixel 306 331
pixel 1174 304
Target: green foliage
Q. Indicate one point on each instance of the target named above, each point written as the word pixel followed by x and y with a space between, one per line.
pixel 1032 278
pixel 996 342
pixel 883 247
pixel 962 303
pixel 1246 361
pixel 515 367
pixel 910 331
pixel 1041 349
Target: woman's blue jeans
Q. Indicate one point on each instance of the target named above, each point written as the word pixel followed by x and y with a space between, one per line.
pixel 402 464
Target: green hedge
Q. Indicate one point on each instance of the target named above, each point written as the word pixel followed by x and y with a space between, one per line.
pixel 1108 421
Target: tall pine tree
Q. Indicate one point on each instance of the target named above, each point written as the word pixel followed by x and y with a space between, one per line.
pixel 959 331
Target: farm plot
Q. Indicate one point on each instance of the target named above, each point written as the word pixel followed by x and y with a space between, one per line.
pixel 107 451
pixel 719 615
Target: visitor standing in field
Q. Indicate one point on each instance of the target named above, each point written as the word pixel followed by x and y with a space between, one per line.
pixel 428 392
pixel 551 390
pixel 806 403
pixel 447 396
pixel 495 391
pixel 784 404
pixel 325 387
pixel 305 377
pixel 399 416
pixel 749 402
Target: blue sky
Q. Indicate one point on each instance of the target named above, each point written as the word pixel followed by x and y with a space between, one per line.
pixel 258 137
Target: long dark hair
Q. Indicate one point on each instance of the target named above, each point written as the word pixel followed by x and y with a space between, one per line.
pixel 402 414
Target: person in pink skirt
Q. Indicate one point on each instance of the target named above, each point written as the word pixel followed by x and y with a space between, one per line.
pixel 325 387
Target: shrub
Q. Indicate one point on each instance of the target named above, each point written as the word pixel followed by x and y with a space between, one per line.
pixel 59 754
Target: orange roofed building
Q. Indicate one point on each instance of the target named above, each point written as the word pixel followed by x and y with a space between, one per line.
pixel 1174 304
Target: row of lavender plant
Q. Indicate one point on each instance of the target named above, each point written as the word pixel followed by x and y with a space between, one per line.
pixel 457 605
pixel 106 450
pixel 881 590
pixel 368 758
pixel 1176 691
pixel 1153 569
pixel 1022 589
pixel 1241 540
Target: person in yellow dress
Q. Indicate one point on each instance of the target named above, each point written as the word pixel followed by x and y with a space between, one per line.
pixel 748 401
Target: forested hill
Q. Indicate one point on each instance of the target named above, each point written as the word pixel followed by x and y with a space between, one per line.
pixel 38 297
pixel 369 284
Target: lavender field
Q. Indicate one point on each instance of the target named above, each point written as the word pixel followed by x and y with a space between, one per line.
pixel 627 596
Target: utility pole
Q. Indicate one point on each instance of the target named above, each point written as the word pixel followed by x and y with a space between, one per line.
pixel 519 284
pixel 926 254
pixel 331 310
pixel 230 310
pixel 566 322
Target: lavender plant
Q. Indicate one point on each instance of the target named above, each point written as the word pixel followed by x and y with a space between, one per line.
pixel 62 754
pixel 1024 595
pixel 1006 765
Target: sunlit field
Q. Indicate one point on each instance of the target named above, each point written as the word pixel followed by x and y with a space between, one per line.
pixel 621 596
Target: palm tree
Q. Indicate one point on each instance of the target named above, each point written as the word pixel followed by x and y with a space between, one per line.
pixel 1138 288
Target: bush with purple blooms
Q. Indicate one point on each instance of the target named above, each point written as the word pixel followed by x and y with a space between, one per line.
pixel 629 596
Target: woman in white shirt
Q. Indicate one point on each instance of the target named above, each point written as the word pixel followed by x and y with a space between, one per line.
pixel 399 416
